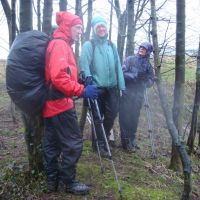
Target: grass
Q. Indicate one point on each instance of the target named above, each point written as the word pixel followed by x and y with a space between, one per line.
pixel 168 69
pixel 140 177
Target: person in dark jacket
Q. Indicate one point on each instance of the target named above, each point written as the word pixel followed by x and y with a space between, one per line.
pixel 99 60
pixel 62 141
pixel 138 75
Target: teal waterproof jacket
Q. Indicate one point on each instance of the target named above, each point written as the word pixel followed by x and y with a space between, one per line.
pixel 101 61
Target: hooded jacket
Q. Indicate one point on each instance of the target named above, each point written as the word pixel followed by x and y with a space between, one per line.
pixel 60 68
pixel 133 65
pixel 102 62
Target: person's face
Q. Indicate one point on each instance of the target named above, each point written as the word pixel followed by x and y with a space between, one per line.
pixel 76 32
pixel 101 30
pixel 142 51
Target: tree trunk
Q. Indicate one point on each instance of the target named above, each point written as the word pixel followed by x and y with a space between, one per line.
pixel 26 22
pixel 12 28
pixel 63 5
pixel 33 137
pixel 33 126
pixel 122 25
pixel 175 163
pixel 86 35
pixel 7 11
pixel 178 107
pixel 13 20
pixel 78 11
pixel 47 17
pixel 168 114
pixel 111 17
pixel 195 121
pixel 121 36
pixel 199 139
pixel 131 28
pixel 39 15
pixel 12 36
pixel 84 110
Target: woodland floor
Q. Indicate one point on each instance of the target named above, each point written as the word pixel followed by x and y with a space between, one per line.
pixel 140 176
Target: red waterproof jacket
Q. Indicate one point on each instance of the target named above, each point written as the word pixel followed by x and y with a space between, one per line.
pixel 60 67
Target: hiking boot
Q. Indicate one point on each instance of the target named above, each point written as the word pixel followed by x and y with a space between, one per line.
pixel 52 186
pixel 135 144
pixel 129 148
pixel 77 188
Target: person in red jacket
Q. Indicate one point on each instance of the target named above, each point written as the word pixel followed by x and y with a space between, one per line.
pixel 62 141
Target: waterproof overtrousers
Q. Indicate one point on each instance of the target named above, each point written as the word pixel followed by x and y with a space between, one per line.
pixel 108 102
pixel 62 146
pixel 130 105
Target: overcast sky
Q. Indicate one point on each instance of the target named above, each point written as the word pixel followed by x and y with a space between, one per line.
pixel 101 7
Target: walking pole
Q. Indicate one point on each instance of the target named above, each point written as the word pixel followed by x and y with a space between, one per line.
pixel 150 125
pixel 95 134
pixel 108 148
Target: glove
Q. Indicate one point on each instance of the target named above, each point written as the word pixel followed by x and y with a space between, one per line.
pixel 142 75
pixel 90 91
pixel 85 80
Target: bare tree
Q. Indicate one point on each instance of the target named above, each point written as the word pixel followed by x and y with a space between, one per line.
pixel 26 22
pixel 86 35
pixel 7 11
pixel 47 16
pixel 194 125
pixel 39 14
pixel 135 11
pixel 131 28
pixel 63 5
pixel 168 113
pixel 128 24
pixel 78 11
pixel 33 128
pixel 12 28
pixel 178 107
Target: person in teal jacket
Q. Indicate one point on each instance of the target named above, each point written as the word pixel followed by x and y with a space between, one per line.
pixel 100 60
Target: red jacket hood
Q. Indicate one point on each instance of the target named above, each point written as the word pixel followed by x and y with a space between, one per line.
pixel 65 21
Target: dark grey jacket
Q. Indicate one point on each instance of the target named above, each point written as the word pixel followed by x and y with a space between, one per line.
pixel 136 65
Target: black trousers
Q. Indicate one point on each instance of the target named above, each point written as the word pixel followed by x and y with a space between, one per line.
pixel 62 146
pixel 108 102
pixel 130 105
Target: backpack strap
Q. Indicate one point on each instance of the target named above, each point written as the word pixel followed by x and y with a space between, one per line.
pixel 92 61
pixel 92 69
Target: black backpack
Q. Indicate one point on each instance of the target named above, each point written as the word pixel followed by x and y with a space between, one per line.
pixel 25 74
